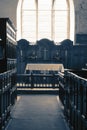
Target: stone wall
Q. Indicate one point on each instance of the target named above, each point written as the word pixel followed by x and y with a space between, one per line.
pixel 80 21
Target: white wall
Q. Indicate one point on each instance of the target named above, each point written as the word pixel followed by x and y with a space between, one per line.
pixel 8 9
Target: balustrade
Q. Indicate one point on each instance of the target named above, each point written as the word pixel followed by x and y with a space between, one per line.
pixel 73 88
pixel 37 81
pixel 7 95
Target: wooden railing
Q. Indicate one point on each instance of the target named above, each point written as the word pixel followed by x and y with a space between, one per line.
pixel 7 96
pixel 37 81
pixel 73 94
pixel 61 87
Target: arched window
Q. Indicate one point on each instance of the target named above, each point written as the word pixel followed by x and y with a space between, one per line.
pixel 29 20
pixel 60 20
pixel 37 19
pixel 44 18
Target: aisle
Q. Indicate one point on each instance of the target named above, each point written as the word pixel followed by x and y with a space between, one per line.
pixel 37 112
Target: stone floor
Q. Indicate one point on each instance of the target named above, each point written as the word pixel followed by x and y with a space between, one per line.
pixel 37 112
